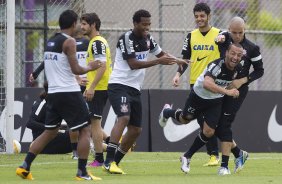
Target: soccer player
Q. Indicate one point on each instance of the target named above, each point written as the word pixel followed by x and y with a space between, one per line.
pixel 252 57
pixel 65 100
pixel 96 89
pixel 200 48
pixel 125 84
pixel 205 99
pixel 81 54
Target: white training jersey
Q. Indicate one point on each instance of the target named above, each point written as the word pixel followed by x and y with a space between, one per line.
pixel 222 77
pixel 57 68
pixel 130 46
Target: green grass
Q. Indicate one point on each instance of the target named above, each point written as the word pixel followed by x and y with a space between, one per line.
pixel 146 168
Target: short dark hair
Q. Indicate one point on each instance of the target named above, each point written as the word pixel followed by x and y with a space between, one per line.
pixel 92 18
pixel 235 44
pixel 67 19
pixel 140 13
pixel 202 7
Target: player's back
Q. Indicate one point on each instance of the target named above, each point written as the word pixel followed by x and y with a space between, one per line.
pixel 57 68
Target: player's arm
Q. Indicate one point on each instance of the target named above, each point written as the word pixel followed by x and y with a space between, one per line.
pixel 33 76
pixel 99 53
pixel 69 48
pixel 186 54
pixel 128 54
pixel 209 84
pixel 257 63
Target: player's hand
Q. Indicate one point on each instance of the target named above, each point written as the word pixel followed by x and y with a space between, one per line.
pixel 233 92
pixel 88 94
pixel 31 78
pixel 220 39
pixel 94 65
pixel 176 80
pixel 83 81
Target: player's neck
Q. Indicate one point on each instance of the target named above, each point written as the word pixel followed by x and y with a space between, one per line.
pixel 205 29
pixel 67 32
pixel 94 34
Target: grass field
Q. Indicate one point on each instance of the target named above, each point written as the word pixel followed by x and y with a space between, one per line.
pixel 146 168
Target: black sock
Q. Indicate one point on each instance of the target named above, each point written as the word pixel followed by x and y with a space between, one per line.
pixel 107 140
pixel 111 150
pixel 74 148
pixel 28 160
pixel 199 142
pixel 82 167
pixel 99 157
pixel 224 161
pixel 236 151
pixel 169 113
pixel 119 155
pixel 212 146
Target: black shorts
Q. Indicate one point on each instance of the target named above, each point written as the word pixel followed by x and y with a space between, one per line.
pixel 210 109
pixel 69 106
pixel 97 104
pixel 126 101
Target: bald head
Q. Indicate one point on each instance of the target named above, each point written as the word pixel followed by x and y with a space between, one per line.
pixel 237 21
pixel 237 29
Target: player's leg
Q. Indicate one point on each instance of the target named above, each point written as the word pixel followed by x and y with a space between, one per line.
pixel 120 101
pixel 134 127
pixel 96 107
pixel 74 141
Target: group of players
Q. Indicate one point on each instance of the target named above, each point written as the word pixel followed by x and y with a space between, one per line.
pixel 210 92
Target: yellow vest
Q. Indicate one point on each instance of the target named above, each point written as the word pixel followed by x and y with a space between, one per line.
pixel 103 83
pixel 203 51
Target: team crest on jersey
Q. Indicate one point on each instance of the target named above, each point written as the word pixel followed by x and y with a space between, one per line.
pixel 244 52
pixel 124 108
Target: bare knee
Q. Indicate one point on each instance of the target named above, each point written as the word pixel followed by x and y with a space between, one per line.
pixel 208 131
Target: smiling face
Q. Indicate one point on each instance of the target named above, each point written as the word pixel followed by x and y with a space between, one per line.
pixel 201 19
pixel 142 28
pixel 86 29
pixel 233 56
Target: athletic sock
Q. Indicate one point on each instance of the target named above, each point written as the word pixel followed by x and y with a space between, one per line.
pixel 74 148
pixel 224 161
pixel 169 113
pixel 99 157
pixel 111 149
pixel 236 151
pixel 82 167
pixel 119 155
pixel 199 142
pixel 28 160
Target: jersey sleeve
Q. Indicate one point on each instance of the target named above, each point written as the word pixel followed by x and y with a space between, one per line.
pixel 186 49
pixel 256 60
pixel 99 51
pixel 213 70
pixel 125 44
pixel 154 47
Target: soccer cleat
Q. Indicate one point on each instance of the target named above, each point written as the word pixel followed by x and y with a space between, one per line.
pixel 95 163
pixel 185 164
pixel 240 161
pixel 214 161
pixel 223 171
pixel 89 176
pixel 162 119
pixel 113 168
pixel 24 174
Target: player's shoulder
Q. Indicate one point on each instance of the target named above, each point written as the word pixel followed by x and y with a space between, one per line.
pixel 249 43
